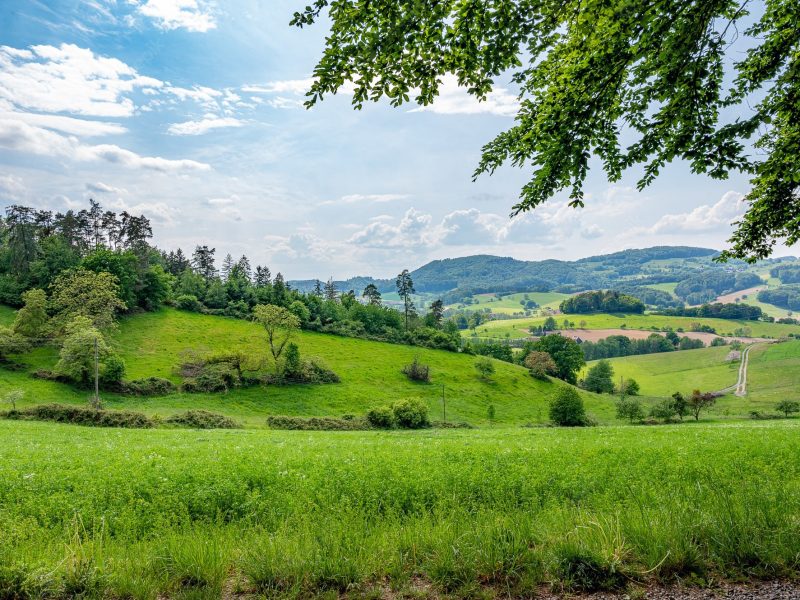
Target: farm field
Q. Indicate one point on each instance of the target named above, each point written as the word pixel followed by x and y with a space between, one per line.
pixel 152 345
pixel 518 328
pixel 511 304
pixel 773 374
pixel 665 373
pixel 152 514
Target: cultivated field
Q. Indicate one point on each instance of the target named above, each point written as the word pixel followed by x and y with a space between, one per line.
pixel 182 514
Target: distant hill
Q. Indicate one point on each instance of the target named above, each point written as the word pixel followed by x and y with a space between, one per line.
pixel 486 273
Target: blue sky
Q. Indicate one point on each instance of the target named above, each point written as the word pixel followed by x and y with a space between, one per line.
pixel 190 112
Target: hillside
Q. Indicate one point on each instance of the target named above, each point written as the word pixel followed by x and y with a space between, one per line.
pixel 457 278
pixel 152 343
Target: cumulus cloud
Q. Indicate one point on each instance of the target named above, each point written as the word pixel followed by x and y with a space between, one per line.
pixel 179 14
pixel 413 230
pixel 204 125
pixel 301 245
pixel 81 127
pixel 156 211
pixel 69 79
pixel 469 228
pixel 21 137
pixel 708 217
pixel 11 188
pixel 454 100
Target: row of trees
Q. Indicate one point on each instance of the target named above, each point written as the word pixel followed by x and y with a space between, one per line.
pixel 621 345
pixel 609 301
pixel 718 310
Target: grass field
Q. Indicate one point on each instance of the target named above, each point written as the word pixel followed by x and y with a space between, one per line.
pixel 774 374
pixel 152 344
pixel 181 514
pixel 665 373
pixel 518 328
pixel 511 304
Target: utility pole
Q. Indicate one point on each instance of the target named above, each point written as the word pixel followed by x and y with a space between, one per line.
pixel 96 377
pixel 444 406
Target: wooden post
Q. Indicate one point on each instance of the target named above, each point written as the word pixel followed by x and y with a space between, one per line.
pixel 444 406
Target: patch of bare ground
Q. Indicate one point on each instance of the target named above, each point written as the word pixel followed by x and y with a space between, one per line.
pixel 740 295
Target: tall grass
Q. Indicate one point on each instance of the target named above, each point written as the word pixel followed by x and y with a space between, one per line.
pixel 169 513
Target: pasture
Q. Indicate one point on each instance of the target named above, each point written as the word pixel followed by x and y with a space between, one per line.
pixel 148 514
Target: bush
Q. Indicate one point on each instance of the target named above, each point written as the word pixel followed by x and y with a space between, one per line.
pixel 203 419
pixel 113 369
pixel 215 377
pixel 540 365
pixel 150 386
pixel 316 423
pixel 485 368
pixel 664 410
pixel 381 417
pixel 80 415
pixel 630 408
pixel 188 302
pixel 787 407
pixel 411 413
pixel 566 409
pixel 416 371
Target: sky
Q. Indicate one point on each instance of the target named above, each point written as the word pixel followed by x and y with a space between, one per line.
pixel 190 112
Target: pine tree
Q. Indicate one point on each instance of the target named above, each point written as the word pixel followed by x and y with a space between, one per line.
pixel 405 287
pixel 244 268
pixel 227 265
pixel 330 290
pixel 372 295
pixel 317 288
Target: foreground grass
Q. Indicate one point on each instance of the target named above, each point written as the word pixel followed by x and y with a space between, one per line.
pixel 137 514
pixel 152 344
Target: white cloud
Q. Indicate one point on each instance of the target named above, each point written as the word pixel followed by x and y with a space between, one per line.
pixel 224 201
pixel 413 230
pixel 69 79
pixel 103 188
pixel 157 211
pixel 455 100
pixel 203 126
pixel 201 94
pixel 704 218
pixel 82 127
pixel 302 245
pixel 364 198
pixel 469 227
pixel 11 188
pixel 289 86
pixel 21 137
pixel 179 14
pixel 592 232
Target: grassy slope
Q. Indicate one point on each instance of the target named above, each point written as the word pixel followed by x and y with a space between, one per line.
pixel 7 315
pixel 511 304
pixel 664 373
pixel 518 328
pixel 152 343
pixel 182 510
pixel 774 374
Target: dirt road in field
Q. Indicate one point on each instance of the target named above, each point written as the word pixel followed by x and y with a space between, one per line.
pixel 740 387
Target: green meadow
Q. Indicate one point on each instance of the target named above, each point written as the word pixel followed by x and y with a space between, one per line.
pixel 518 328
pixel 146 514
pixel 510 304
pixel 153 344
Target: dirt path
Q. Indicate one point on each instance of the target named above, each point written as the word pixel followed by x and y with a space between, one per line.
pixel 740 387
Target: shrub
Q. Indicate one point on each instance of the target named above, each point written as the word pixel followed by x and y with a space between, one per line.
pixel 485 368
pixel 203 419
pixel 411 413
pixel 598 379
pixel 188 302
pixel 566 409
pixel 381 417
pixel 150 386
pixel 540 365
pixel 787 407
pixel 316 423
pixel 292 364
pixel 665 410
pixel 630 408
pixel 416 371
pixel 13 397
pixel 113 369
pixel 80 415
pixel 215 377
pixel 718 341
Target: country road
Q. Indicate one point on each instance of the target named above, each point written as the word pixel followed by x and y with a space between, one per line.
pixel 740 387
